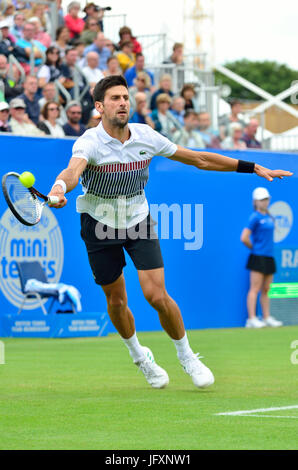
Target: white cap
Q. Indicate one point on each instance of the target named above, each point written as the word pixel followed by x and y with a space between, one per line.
pixel 3 105
pixel 260 193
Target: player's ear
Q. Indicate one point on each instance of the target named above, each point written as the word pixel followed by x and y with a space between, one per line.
pixel 98 106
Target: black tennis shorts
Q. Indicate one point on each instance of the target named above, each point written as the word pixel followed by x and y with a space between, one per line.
pixel 105 248
pixel 261 264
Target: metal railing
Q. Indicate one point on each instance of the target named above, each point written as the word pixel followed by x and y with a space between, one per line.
pixel 112 24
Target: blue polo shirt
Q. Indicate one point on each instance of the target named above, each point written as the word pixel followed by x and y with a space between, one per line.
pixel 137 118
pixel 131 74
pixel 262 230
pixel 104 54
pixel 24 44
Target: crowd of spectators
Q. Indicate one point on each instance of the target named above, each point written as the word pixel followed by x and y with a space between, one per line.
pixel 58 71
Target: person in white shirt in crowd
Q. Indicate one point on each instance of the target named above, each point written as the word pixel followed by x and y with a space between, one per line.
pixel 20 123
pixel 92 72
pixel 50 126
pixel 234 140
pixel 187 136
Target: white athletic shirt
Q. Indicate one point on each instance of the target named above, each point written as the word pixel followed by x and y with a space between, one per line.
pixel 114 180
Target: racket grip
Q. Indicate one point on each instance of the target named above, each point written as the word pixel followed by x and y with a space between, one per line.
pixel 53 199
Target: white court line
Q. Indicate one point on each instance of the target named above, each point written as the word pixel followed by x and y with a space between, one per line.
pixel 268 416
pixel 260 410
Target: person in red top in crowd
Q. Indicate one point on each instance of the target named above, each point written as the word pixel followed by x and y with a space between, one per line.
pixel 72 21
pixel 125 35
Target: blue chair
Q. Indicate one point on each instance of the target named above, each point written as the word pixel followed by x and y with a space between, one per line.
pixel 33 270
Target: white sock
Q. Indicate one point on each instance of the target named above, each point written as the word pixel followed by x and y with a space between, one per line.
pixel 183 348
pixel 134 347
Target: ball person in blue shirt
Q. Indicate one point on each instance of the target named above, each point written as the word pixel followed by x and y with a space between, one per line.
pixel 258 236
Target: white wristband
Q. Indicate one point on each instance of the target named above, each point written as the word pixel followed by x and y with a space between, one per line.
pixel 62 184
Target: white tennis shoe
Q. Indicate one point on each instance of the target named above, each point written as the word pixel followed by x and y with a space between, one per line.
pixel 254 323
pixel 154 374
pixel 271 321
pixel 202 377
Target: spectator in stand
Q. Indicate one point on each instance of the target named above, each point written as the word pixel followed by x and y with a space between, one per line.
pixel 4 116
pixel 92 73
pixel 177 109
pixel 18 25
pixel 165 86
pixel 68 71
pixel 141 115
pixel 164 121
pixel 19 122
pixel 11 87
pixel 113 67
pixel 73 22
pixel 90 31
pixel 98 46
pixel 49 93
pixel 234 141
pixel 125 56
pixel 62 40
pixel 142 85
pixel 249 135
pixel 126 35
pixel 50 71
pixel 110 45
pixel 50 126
pixel 39 10
pixel 39 34
pixel 235 116
pixel 6 42
pixel 94 12
pixel 80 48
pixel 177 55
pixel 210 138
pixel 30 98
pixel 28 44
pixel 73 127
pixel 187 136
pixel 188 92
pixel 132 72
pixel 8 13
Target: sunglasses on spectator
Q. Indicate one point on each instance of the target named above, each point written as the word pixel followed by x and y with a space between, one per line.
pixel 92 24
pixel 53 109
pixel 75 112
pixel 19 107
pixel 4 111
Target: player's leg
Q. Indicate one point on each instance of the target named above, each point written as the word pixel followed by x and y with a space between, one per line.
pixel 123 321
pixel 265 303
pixel 153 287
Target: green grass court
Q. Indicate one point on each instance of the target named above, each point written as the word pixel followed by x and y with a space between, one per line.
pixel 87 394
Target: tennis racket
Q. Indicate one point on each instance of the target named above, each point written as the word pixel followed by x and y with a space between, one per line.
pixel 24 202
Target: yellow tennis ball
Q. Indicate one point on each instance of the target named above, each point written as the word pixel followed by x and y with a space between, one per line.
pixel 27 179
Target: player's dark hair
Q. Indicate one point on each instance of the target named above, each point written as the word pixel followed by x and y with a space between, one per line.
pixel 108 82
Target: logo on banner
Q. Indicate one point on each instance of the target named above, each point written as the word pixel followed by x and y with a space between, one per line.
pixel 42 242
pixel 283 215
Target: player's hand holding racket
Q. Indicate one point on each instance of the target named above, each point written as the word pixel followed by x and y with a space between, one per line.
pixel 57 192
pixel 24 201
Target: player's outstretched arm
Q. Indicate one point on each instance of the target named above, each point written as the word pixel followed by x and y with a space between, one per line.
pixel 216 162
pixel 67 180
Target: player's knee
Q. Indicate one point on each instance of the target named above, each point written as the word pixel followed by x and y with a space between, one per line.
pixel 157 298
pixel 116 302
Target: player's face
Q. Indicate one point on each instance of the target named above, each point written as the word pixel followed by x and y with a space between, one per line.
pixel 115 106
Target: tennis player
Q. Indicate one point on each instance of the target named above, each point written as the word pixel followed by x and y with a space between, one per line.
pixel 112 160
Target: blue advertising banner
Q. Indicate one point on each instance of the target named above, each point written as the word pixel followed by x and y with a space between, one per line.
pixel 200 218
pixel 30 325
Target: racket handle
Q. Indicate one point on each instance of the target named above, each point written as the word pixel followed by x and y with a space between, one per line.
pixel 53 199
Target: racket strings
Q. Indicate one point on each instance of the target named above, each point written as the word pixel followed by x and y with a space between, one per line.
pixel 24 202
